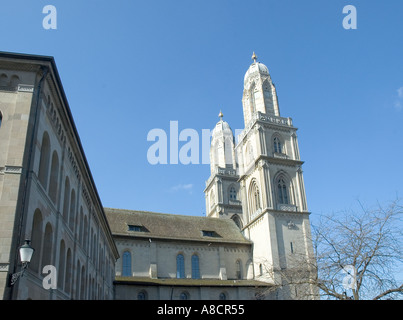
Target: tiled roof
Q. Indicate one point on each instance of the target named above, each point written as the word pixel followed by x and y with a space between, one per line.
pixel 173 227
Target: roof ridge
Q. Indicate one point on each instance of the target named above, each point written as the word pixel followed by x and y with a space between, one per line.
pixel 160 213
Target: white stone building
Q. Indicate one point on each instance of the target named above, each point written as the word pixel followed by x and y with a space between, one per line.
pixel 258 183
pixel 256 235
pixel 167 256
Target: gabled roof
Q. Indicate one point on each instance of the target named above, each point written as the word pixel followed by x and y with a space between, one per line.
pixel 150 225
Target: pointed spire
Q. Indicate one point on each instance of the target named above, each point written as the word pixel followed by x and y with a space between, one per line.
pixel 220 115
pixel 254 56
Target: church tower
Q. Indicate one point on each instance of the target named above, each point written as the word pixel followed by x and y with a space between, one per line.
pixel 222 188
pixel 269 182
pixel 259 94
pixel 276 217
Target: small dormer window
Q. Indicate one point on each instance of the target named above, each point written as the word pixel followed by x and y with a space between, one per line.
pixel 137 228
pixel 209 233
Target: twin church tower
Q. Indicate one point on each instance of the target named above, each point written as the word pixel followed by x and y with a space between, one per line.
pixel 258 181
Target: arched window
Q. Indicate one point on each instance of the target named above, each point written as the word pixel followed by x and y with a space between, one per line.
pixel 3 80
pixel 14 81
pixel 36 240
pixel 85 231
pixel 83 285
pixel 278 148
pixel 282 191
pixel 47 246
pixel 260 269
pixel 78 280
pixel 222 296
pixel 69 267
pixel 184 296
pixel 195 267
pixel 237 221
pixel 81 226
pixel 180 266
pixel 238 269
pixel 72 209
pixel 127 264
pixel 1 118
pixel 54 172
pixel 66 199
pixel 60 270
pixel 44 161
pixel 232 193
pixel 252 94
pixel 142 295
pixel 254 197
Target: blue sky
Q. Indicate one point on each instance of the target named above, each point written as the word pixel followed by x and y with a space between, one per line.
pixel 128 67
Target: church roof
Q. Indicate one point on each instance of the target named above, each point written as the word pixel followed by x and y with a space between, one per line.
pixel 145 224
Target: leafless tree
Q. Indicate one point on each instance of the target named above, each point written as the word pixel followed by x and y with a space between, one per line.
pixel 357 255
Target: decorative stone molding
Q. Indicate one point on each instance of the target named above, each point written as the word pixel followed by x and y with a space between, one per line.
pixel 12 170
pixel 25 88
pixel 4 267
pixel 291 225
pixel 280 155
pixel 287 207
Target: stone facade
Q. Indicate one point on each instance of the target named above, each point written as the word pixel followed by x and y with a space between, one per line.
pixel 263 189
pixel 47 193
pixel 216 257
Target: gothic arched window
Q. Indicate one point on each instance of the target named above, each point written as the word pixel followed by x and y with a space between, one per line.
pixel 237 221
pixel 54 173
pixel 254 197
pixel 278 148
pixel 252 93
pixel 44 161
pixel 238 269
pixel 195 267
pixel 282 191
pixel 127 264
pixel 180 266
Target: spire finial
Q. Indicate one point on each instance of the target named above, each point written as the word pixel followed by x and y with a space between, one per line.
pixel 254 57
pixel 220 115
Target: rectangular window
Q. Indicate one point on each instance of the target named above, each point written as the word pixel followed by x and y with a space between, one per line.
pixel 137 228
pixel 291 247
pixel 208 233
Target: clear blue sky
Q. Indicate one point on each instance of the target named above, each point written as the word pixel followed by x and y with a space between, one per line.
pixel 130 66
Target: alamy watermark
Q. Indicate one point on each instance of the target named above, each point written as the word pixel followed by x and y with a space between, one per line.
pixel 350 280
pixel 193 149
pixel 350 20
pixel 50 280
pixel 50 20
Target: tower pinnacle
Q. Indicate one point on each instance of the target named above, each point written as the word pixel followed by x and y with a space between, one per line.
pixel 254 56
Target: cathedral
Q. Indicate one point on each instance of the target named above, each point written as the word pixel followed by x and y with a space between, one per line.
pixel 254 243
